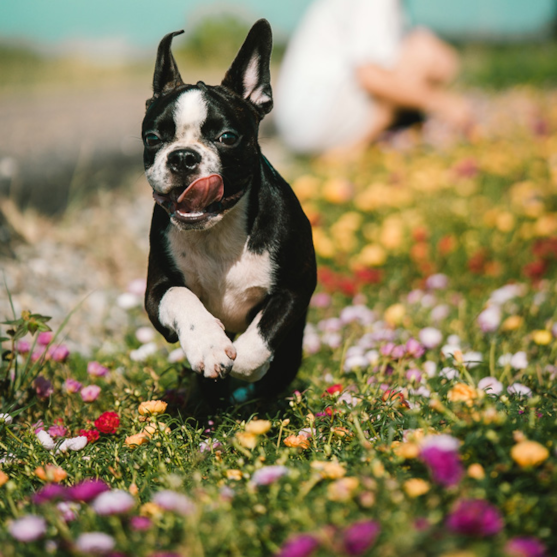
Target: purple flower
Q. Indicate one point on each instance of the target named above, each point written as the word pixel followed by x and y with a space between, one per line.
pixel 269 474
pixel 414 349
pixel 525 547
pixel 50 492
pixel 44 339
pixel 95 542
pixel 43 387
pixel 87 490
pixel 300 546
pixel 140 523
pixel 444 465
pixel 359 537
pixel 475 517
pixel 90 393
pixel 59 353
pixel 28 528
pixel 173 501
pixel 112 502
pixel 96 369
pixel 71 386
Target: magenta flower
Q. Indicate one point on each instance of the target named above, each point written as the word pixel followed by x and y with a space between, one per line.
pixel 475 517
pixel 359 537
pixel 269 474
pixel 50 492
pixel 59 353
pixel 414 349
pixel 57 431
pixel 96 369
pixel 44 339
pixel 43 387
pixel 525 547
pixel 140 523
pixel 90 393
pixel 28 528
pixel 112 502
pixel 444 466
pixel 87 490
pixel 72 386
pixel 300 546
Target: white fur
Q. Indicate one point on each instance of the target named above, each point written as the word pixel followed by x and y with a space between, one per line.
pixel 253 355
pixel 207 348
pixel 190 113
pixel 251 80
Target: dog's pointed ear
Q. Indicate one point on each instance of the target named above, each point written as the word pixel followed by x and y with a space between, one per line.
pixel 166 77
pixel 249 75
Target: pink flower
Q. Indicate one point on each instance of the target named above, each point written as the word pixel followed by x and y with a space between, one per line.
pixel 437 282
pixel 320 300
pixel 90 393
pixel 525 547
pixel 302 545
pixel 268 474
pixel 440 455
pixel 44 339
pixel 489 319
pixel 359 537
pixel 172 501
pixel 475 517
pixel 23 346
pixel 57 431
pixel 71 386
pixel 414 349
pixel 140 523
pixel 58 353
pixel 43 387
pixel 112 502
pixel 95 542
pixel 87 490
pixel 96 369
pixel 28 528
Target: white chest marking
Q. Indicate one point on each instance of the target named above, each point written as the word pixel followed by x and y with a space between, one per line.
pixel 220 270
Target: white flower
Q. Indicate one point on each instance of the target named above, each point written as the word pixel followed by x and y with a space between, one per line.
pixel 116 501
pixel 505 359
pixel 450 349
pixel 430 368
pixel 348 398
pixel 505 293
pixel 356 361
pixel 176 355
pixel 6 419
pixel 372 357
pixel 489 319
pixel 430 337
pixel 128 300
pixel 73 444
pixel 428 300
pixel 442 442
pixel 173 501
pixel 449 373
pixel 95 542
pixel 145 334
pixel 137 287
pixel 332 340
pixel 420 391
pixel 46 440
pixel 362 314
pixel 143 352
pixel 312 343
pixel 472 359
pixel 491 385
pixel 519 361
pixel 28 528
pixel 440 312
pixel 438 281
pixel 519 389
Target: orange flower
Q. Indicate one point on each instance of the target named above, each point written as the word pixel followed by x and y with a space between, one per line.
pixel 3 478
pixel 342 489
pixel 529 453
pixel 137 439
pixel 298 441
pixel 51 473
pixel 258 427
pixel 415 487
pixel 152 407
pixel 246 439
pixel 329 470
pixel 234 474
pixel 462 393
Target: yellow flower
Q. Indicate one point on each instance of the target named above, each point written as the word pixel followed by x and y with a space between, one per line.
pixel 529 453
pixel 133 489
pixel 150 509
pixel 394 314
pixel 342 489
pixel 247 440
pixel 542 337
pixel 476 471
pixel 259 427
pixel 372 255
pixel 337 190
pixel 137 439
pixel 416 487
pixel 329 470
pixel 51 473
pixel 234 474
pixel 306 187
pixel 297 441
pixel 152 407
pixel 462 393
pixel 406 450
pixel 512 323
pixel 3 478
pixel 324 246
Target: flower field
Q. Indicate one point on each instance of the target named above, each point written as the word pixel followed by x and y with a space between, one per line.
pixel 423 421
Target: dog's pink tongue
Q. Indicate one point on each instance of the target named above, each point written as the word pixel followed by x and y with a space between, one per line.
pixel 200 194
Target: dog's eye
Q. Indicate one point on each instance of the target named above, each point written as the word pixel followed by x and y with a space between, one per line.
pixel 228 138
pixel 151 139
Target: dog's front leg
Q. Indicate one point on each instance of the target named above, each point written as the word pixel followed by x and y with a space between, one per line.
pixel 208 350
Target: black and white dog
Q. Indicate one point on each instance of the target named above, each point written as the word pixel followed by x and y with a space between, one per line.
pixel 231 264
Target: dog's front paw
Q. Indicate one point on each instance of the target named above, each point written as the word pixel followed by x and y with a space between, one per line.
pixel 253 357
pixel 209 351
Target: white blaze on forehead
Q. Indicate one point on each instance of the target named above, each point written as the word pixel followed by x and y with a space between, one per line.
pixel 190 112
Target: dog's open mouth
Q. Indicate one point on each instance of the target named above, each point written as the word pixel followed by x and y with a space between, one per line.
pixel 200 200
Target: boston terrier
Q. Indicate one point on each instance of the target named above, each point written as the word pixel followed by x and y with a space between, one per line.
pixel 231 263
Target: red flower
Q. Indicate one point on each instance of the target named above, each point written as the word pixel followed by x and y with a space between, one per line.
pixel 395 397
pixel 337 388
pixel 108 422
pixel 91 434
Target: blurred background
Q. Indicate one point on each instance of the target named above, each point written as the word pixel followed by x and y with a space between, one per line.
pixel 74 77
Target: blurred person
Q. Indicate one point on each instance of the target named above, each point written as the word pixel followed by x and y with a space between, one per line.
pixel 351 72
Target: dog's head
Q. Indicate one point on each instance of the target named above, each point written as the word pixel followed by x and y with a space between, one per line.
pixel 201 148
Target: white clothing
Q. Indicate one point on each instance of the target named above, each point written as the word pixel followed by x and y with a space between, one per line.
pixel 319 103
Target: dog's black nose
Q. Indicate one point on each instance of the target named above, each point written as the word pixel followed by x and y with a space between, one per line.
pixel 183 160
